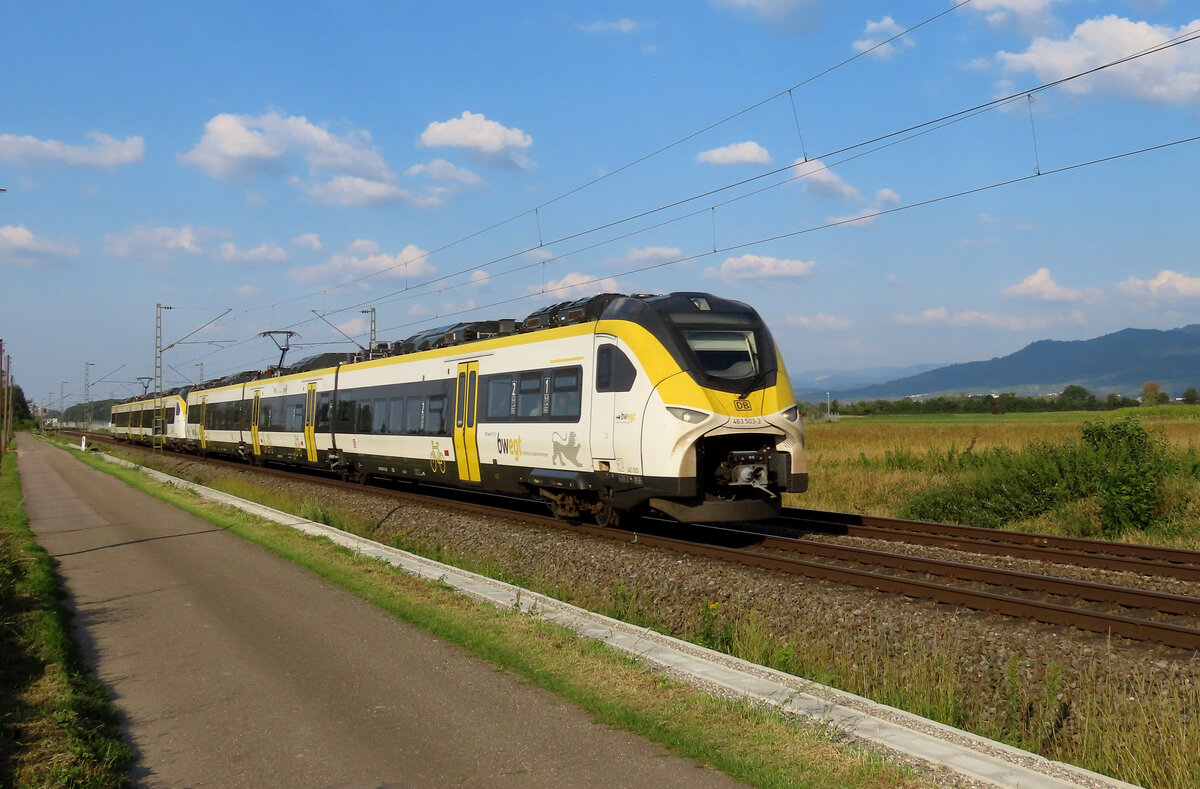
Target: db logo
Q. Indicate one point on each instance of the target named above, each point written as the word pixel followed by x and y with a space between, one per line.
pixel 741 405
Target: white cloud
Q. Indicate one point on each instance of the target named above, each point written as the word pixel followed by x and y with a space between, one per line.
pixel 241 147
pixel 1167 285
pixel 263 253
pixel 646 256
pixel 880 31
pixel 620 26
pixel 1169 77
pixel 480 278
pixel 760 267
pixel 1041 287
pixel 793 14
pixel 310 240
pixel 159 243
pixel 748 152
pixel 575 286
pixel 104 151
pixel 821 322
pixel 353 190
pixel 940 316
pixel 19 245
pixel 887 197
pixel 1025 15
pixel 819 180
pixel 353 326
pixel 247 290
pixel 864 218
pixel 442 170
pixel 363 259
pixel 488 140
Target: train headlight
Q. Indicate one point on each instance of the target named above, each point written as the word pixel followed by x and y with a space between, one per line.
pixel 792 414
pixel 688 415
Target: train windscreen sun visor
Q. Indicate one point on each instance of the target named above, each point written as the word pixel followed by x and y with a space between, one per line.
pixel 725 353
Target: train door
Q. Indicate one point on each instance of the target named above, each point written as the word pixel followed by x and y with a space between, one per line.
pixel 254 408
pixel 310 422
pixel 604 401
pixel 466 396
pixel 203 410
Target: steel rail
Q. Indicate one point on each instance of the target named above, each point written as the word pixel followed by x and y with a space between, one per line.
pixel 1087 590
pixel 1125 557
pixel 1049 613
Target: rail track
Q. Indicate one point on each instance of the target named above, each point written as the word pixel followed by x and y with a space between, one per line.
pixel 1169 619
pixel 1100 554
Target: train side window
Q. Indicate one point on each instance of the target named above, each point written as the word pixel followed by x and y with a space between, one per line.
pixel 501 396
pixel 324 411
pixel 296 418
pixel 434 416
pixel 379 417
pixel 343 416
pixel 396 409
pixel 565 395
pixel 614 371
pixel 529 396
pixel 414 412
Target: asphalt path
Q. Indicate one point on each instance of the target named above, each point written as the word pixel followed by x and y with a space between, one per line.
pixel 232 667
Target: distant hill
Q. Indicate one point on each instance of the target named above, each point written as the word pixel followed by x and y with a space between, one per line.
pixel 1119 362
pixel 813 384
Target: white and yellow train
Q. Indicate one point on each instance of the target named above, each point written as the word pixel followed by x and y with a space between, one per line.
pixel 677 403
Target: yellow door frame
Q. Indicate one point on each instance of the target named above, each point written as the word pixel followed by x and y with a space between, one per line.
pixel 310 422
pixel 466 449
pixel 203 414
pixel 254 422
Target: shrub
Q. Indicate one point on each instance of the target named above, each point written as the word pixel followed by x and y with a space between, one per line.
pixel 1129 475
pixel 1118 463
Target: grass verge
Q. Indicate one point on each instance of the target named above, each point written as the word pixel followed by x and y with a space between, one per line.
pixel 751 743
pixel 57 727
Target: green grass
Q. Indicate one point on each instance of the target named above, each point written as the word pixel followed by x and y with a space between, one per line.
pixel 57 727
pixel 750 743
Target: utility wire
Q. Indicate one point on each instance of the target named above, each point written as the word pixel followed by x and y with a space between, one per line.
pixel 610 173
pixel 836 223
pixel 900 135
pixel 881 141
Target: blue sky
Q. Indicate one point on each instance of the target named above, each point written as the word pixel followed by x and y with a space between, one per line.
pixel 458 161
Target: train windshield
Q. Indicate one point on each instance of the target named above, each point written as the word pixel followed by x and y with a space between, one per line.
pixel 724 353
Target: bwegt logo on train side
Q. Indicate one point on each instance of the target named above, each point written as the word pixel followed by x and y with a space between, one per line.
pixel 509 446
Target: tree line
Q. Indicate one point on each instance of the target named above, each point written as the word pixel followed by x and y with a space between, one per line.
pixel 1072 398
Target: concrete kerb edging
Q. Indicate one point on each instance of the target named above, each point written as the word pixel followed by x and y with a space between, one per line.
pixel 942 746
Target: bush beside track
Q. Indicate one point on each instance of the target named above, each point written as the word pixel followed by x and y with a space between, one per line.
pixel 57 725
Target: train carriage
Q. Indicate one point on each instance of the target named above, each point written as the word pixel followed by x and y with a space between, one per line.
pixel 133 419
pixel 677 403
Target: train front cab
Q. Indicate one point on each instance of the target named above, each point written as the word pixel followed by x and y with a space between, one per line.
pixel 718 431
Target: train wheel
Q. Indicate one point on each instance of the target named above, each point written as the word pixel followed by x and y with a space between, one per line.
pixel 606 514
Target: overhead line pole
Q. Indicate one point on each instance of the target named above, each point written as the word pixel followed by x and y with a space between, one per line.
pixel 159 404
pixel 3 402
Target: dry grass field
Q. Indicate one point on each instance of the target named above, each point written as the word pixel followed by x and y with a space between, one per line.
pixel 879 465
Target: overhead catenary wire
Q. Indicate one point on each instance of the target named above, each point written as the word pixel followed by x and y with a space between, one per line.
pixel 905 133
pixel 836 223
pixel 659 151
pixel 881 141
